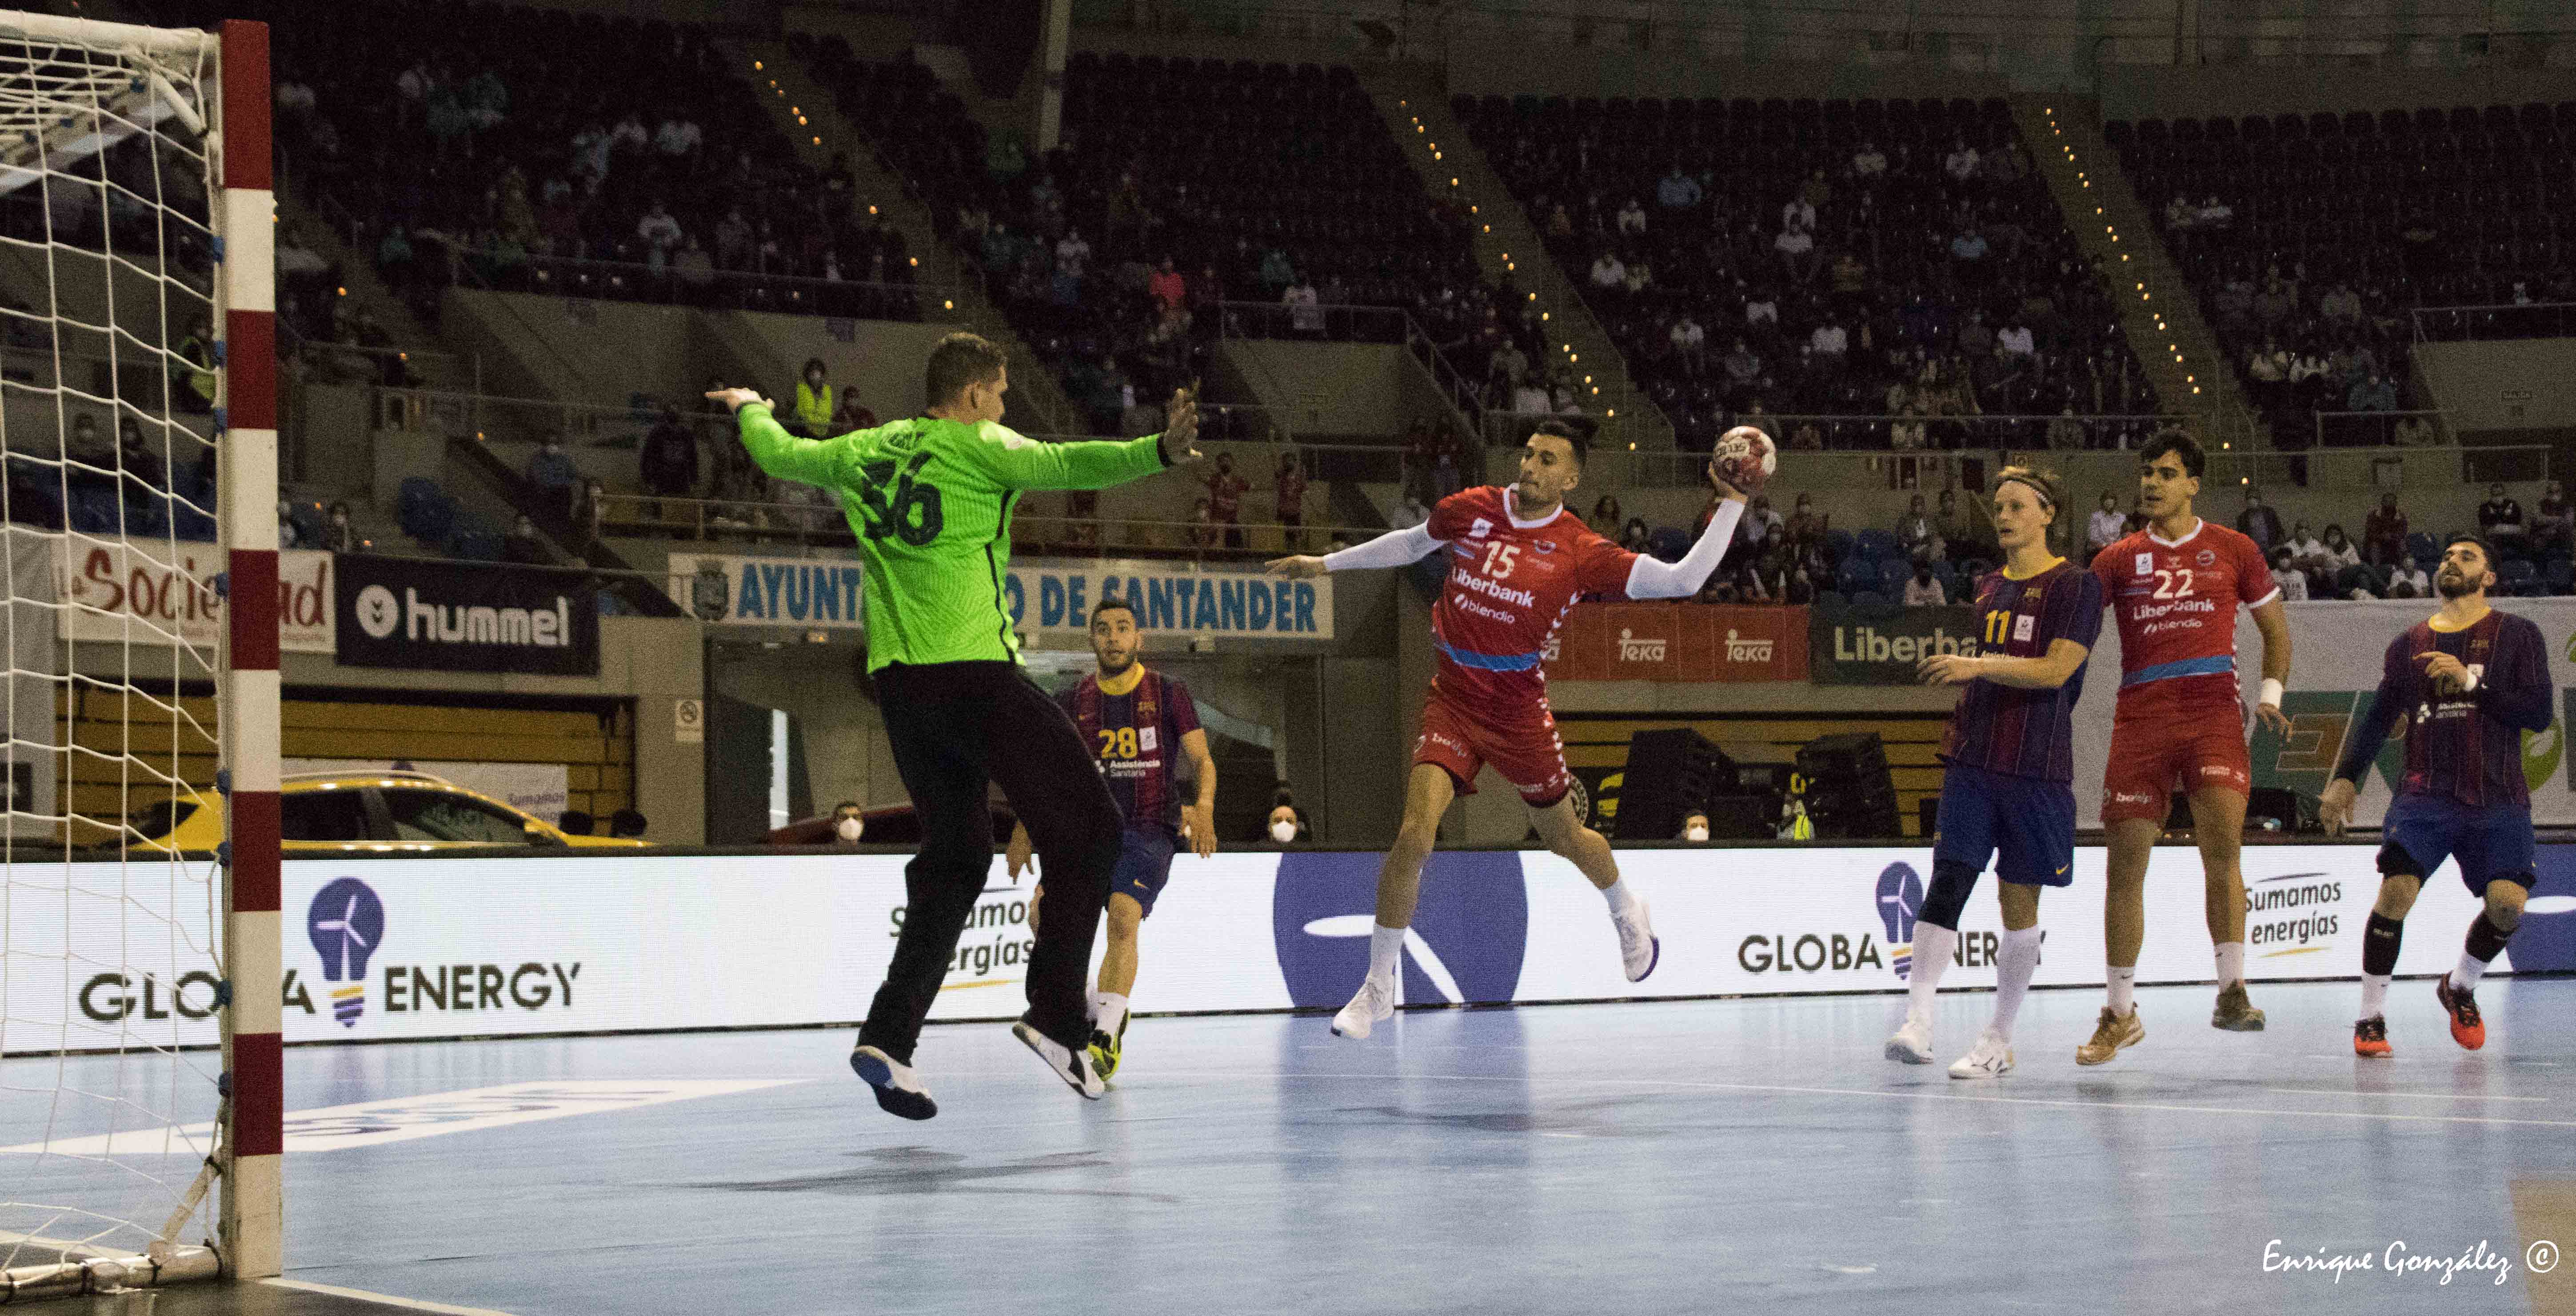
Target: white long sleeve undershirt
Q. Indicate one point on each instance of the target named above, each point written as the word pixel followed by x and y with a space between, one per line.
pixel 1652 579
pixel 1647 579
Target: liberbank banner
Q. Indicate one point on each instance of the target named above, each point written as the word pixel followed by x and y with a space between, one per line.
pixel 1043 594
pixel 2336 653
pixel 1879 644
pixel 424 948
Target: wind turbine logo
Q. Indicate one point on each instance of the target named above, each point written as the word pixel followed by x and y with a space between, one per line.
pixel 346 922
pixel 1900 893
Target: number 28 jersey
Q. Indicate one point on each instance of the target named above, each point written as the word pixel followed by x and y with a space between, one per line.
pixel 2175 603
pixel 1510 583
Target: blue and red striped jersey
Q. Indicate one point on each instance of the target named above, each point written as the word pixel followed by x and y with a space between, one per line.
pixel 1137 739
pixel 2007 729
pixel 2464 747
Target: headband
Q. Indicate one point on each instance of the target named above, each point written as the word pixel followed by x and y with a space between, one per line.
pixel 2032 485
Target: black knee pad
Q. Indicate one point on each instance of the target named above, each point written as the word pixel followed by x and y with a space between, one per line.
pixel 2395 862
pixel 1947 898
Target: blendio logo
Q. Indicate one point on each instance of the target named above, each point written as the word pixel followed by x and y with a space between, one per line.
pixel 1636 650
pixel 1865 644
pixel 2297 891
pixel 1006 945
pixel 440 623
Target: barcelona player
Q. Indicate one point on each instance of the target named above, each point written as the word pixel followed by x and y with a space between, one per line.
pixel 2174 588
pixel 2468 681
pixel 1139 723
pixel 2010 754
pixel 1518 558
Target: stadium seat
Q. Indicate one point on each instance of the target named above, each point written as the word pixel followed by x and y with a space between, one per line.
pixel 1669 543
pixel 2519 573
pixel 1893 574
pixel 1868 599
pixel 2562 576
pixel 1838 545
pixel 2420 549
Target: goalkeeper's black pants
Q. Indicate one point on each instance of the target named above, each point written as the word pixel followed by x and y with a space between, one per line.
pixel 956 727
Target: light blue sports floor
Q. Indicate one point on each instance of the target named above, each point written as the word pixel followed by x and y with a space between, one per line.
pixel 1749 1155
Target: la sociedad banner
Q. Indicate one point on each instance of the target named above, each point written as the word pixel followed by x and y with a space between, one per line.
pixel 408 949
pixel 466 616
pixel 2336 650
pixel 128 590
pixel 1043 594
pixel 1678 642
pixel 1849 644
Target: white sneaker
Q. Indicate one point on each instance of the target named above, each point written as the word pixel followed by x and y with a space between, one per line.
pixel 1639 947
pixel 1073 1066
pixel 1912 1043
pixel 1992 1058
pixel 899 1090
pixel 1375 1001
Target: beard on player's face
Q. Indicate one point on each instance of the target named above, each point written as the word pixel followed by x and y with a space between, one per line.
pixel 1114 661
pixel 2456 583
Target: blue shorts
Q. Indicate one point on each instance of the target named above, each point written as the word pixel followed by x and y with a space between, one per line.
pixel 1144 864
pixel 2026 825
pixel 2493 844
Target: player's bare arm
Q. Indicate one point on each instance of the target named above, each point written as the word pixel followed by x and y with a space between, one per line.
pixel 2445 672
pixel 1201 815
pixel 2047 673
pixel 2273 621
pixel 1016 854
pixel 2334 805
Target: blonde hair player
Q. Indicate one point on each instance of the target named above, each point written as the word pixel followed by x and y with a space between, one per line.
pixel 2010 755
pixel 1518 558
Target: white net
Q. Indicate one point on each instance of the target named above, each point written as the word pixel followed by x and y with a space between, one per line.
pixel 111 900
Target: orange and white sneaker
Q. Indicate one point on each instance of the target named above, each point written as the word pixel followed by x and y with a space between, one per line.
pixel 2370 1038
pixel 2467 1028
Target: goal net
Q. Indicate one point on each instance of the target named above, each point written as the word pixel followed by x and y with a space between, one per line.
pixel 139 1070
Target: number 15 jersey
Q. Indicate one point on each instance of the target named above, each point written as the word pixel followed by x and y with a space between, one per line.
pixel 1510 583
pixel 2175 602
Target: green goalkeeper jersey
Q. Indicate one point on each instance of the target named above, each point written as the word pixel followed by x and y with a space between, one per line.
pixel 930 501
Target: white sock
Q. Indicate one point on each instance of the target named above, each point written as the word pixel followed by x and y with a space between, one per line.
pixel 2374 995
pixel 2231 961
pixel 2124 989
pixel 1622 897
pixel 1384 944
pixel 1933 946
pixel 2465 978
pixel 1108 1012
pixel 2014 965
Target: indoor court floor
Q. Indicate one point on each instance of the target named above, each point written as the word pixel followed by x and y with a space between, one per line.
pixel 1746 1155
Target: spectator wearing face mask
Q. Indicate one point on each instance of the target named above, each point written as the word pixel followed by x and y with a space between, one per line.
pixel 1924 590
pixel 1286 824
pixel 2293 582
pixel 1695 827
pixel 2552 526
pixel 848 823
pixel 2500 517
pixel 2383 535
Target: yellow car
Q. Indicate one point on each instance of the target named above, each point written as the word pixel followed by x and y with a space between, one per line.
pixel 370 812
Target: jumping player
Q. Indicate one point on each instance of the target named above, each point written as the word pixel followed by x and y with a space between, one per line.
pixel 1517 561
pixel 2467 681
pixel 2010 752
pixel 2174 588
pixel 1136 722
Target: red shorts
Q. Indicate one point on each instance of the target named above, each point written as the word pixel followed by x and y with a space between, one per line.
pixel 2152 761
pixel 1531 757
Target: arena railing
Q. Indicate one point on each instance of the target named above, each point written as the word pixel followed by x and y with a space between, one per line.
pixel 811 525
pixel 715 289
pixel 485 417
pixel 2377 429
pixel 2451 324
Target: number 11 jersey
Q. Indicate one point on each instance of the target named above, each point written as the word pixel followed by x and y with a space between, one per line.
pixel 1510 584
pixel 2175 602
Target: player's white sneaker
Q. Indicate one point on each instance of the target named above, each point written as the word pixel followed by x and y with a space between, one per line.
pixel 899 1090
pixel 1066 1063
pixel 1992 1058
pixel 1912 1043
pixel 1639 947
pixel 1375 1001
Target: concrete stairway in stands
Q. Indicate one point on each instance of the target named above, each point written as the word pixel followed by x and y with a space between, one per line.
pixel 1417 111
pixel 2158 307
pixel 1037 401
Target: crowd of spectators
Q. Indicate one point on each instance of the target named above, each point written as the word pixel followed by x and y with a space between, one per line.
pixel 1259 199
pixel 2312 237
pixel 1866 260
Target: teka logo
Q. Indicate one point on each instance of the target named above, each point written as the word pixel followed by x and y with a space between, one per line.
pixel 1468 936
pixel 1635 648
pixel 347 923
pixel 1900 893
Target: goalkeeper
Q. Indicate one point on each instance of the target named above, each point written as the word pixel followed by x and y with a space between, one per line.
pixel 930 501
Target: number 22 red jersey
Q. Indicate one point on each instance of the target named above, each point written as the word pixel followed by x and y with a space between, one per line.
pixel 1510 583
pixel 2175 602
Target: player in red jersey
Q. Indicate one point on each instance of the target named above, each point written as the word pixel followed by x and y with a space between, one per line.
pixel 1518 558
pixel 2174 588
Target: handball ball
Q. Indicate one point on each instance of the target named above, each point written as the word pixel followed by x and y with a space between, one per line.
pixel 1745 457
